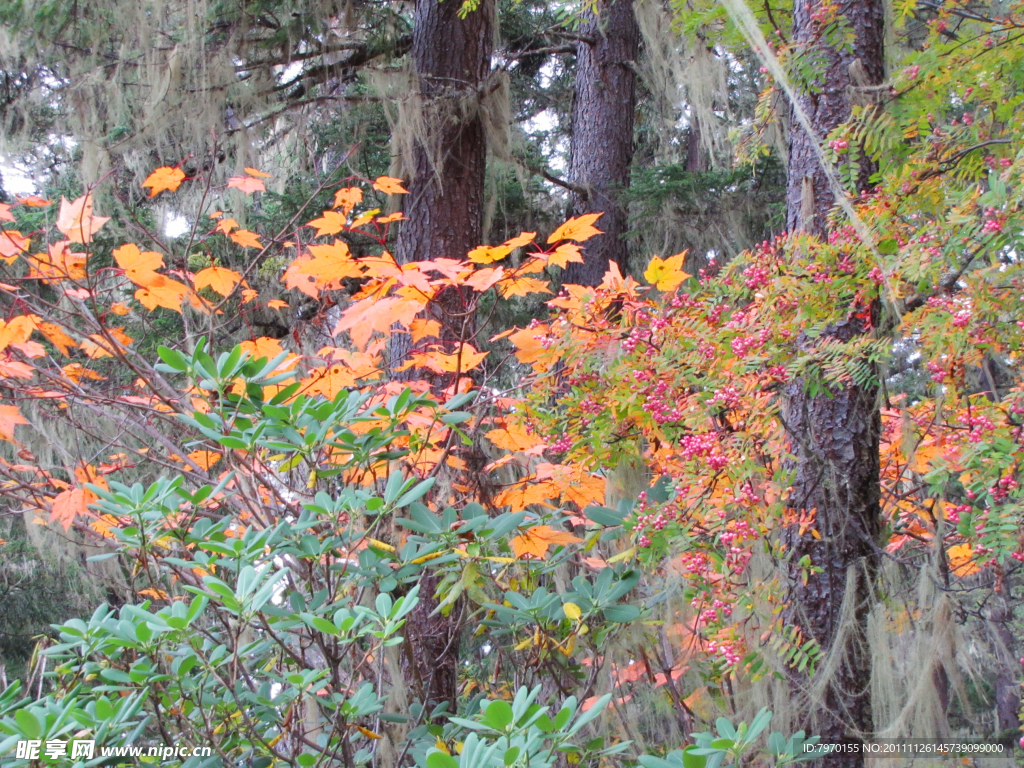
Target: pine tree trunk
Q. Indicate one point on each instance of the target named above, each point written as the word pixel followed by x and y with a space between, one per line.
pixel 834 436
pixel 602 133
pixel 445 206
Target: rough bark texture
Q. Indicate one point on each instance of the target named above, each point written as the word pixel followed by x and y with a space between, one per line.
pixel 827 101
pixel 602 133
pixel 834 435
pixel 445 204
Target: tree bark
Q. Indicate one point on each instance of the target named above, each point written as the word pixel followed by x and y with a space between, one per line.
pixel 603 110
pixel 834 435
pixel 445 205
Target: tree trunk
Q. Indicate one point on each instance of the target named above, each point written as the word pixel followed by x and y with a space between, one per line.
pixel 834 435
pixel 445 205
pixel 602 133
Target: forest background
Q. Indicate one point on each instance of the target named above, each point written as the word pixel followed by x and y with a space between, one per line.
pixel 510 383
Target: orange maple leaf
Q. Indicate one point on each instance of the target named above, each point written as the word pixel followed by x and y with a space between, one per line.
pixel 139 266
pixel 204 459
pixel 70 504
pixel 163 292
pixel 225 226
pixel 247 184
pixel 266 347
pixel 16 331
pixel 535 541
pixel 563 254
pixel 531 349
pixel 248 294
pixel 221 280
pixel 162 179
pixel 10 417
pixel 76 372
pixel 523 238
pixel 439 361
pixel 56 336
pixel 5 212
pixel 579 229
pixel 77 221
pixel 11 244
pixel 482 279
pixel 246 239
pixel 257 174
pixel 369 315
pixel 59 263
pixel 331 223
pixel 330 264
pixel 34 201
pixel 96 345
pixel 961 560
pixel 348 198
pixel 390 186
pixel 514 437
pixel 522 286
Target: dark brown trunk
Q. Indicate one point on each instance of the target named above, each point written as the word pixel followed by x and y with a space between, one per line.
pixel 834 434
pixel 445 205
pixel 602 133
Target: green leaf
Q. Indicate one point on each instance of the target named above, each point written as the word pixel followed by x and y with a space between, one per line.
pixel 441 760
pixel 498 715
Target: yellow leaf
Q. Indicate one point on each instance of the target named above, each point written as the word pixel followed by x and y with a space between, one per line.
pixel 535 541
pixel 76 220
pixel 666 274
pixel 487 254
pixel 367 732
pixel 365 218
pixel 221 280
pixel 381 545
pixel 390 186
pixel 579 229
pixel 572 611
pixel 165 178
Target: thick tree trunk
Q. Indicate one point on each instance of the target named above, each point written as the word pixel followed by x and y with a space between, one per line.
pixel 445 205
pixel 834 435
pixel 602 133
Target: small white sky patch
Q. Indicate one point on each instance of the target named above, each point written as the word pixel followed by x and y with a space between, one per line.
pixel 176 225
pixel 16 181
